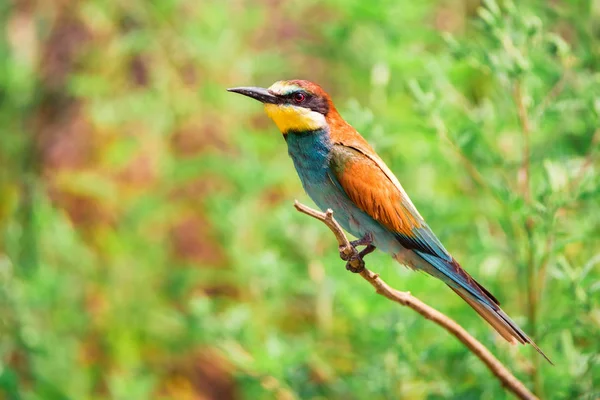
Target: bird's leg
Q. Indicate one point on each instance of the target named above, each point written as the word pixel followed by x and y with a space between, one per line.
pixel 367 250
pixel 355 262
pixel 363 241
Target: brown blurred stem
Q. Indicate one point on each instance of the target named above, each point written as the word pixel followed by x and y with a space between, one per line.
pixel 506 378
pixel 525 189
pixel 526 131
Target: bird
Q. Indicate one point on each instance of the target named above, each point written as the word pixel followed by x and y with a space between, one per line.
pixel 340 171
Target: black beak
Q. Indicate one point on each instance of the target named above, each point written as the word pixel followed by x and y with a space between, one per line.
pixel 257 93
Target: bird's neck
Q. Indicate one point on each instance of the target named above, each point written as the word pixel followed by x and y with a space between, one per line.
pixel 311 152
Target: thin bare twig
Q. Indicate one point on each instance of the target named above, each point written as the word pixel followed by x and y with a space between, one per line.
pixel 554 92
pixel 442 130
pixel 548 248
pixel 525 189
pixel 506 378
pixel 526 130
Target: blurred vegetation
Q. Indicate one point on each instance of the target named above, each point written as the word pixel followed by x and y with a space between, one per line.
pixel 148 244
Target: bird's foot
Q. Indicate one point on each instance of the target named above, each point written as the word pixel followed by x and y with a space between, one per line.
pixel 355 262
pixel 364 241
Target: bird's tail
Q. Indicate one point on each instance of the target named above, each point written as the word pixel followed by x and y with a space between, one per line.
pixel 481 300
pixel 501 322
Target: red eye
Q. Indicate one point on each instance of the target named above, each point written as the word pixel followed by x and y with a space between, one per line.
pixel 298 97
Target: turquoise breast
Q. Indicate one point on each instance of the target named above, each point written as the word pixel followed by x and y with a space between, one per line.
pixel 311 154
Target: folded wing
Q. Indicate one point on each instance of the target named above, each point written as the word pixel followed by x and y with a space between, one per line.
pixel 371 189
pixel 370 184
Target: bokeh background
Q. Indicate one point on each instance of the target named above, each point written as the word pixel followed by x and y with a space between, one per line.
pixel 148 244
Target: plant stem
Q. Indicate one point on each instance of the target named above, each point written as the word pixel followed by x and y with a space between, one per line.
pixel 525 190
pixel 526 131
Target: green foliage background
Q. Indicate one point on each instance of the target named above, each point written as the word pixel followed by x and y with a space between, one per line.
pixel 148 244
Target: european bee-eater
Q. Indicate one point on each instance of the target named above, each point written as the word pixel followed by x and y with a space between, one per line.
pixel 341 171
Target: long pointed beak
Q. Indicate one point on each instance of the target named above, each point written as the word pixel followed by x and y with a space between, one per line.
pixel 257 93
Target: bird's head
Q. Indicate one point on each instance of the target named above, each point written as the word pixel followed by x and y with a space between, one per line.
pixel 294 106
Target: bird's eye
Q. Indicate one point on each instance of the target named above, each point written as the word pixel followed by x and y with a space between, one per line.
pixel 298 97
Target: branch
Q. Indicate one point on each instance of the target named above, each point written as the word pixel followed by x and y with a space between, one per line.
pixel 507 379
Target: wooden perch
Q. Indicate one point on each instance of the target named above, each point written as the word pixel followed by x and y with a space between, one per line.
pixel 349 252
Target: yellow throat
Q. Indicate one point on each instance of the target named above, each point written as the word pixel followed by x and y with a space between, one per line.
pixel 291 118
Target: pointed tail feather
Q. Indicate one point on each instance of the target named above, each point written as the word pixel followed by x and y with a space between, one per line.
pixel 478 297
pixel 501 322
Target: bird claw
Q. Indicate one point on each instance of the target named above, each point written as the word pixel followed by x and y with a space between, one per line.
pixel 354 258
pixel 356 264
pixel 344 254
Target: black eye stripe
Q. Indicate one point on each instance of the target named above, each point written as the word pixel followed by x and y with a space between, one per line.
pixel 310 101
pixel 318 104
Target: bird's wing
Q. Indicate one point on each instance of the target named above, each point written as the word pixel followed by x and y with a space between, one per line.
pixel 370 184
